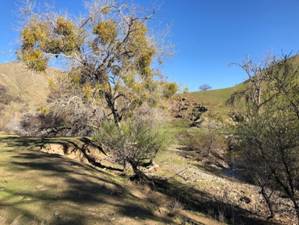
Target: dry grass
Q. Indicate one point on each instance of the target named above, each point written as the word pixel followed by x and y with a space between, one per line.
pixel 30 87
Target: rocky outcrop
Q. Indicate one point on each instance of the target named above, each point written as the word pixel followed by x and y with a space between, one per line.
pixel 188 109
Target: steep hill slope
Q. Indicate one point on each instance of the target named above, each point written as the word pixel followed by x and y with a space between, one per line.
pixel 30 87
pixel 21 90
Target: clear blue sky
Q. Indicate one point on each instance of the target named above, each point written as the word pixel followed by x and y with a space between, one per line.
pixel 208 35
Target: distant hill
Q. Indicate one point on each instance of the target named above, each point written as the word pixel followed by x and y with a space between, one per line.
pixel 30 87
pixel 216 99
pixel 21 90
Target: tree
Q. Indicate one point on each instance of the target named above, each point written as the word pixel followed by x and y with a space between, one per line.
pixel 268 127
pixel 111 51
pixel 204 87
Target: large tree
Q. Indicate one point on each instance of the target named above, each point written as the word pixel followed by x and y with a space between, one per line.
pixel 110 50
pixel 111 54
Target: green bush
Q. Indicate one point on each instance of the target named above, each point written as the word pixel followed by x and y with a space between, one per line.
pixel 134 141
pixel 202 141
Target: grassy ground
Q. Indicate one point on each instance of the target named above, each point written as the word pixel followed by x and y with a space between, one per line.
pixel 40 188
pixel 215 100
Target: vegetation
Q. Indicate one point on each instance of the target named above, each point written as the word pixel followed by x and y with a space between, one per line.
pixel 112 77
pixel 267 128
pixel 233 154
pixel 136 142
pixel 111 49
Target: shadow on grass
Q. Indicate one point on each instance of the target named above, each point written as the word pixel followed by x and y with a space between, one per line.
pixel 87 186
pixel 83 197
pixel 68 144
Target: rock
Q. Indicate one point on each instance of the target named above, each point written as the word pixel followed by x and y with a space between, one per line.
pixel 245 199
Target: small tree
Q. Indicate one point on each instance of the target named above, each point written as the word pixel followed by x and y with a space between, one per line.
pixel 268 128
pixel 111 53
pixel 204 87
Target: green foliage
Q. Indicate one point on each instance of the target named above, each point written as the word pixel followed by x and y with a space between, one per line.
pixel 106 31
pixel 112 53
pixel 203 141
pixel 35 59
pixel 35 34
pixel 135 141
pixel 268 127
pixel 270 149
pixel 39 38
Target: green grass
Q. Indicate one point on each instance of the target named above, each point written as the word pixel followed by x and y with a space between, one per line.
pixel 39 188
pixel 216 100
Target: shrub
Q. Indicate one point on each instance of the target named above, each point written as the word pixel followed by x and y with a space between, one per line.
pixel 267 129
pixel 206 145
pixel 170 89
pixel 38 124
pixel 135 142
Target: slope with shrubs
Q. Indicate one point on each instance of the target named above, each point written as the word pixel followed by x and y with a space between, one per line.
pixel 216 100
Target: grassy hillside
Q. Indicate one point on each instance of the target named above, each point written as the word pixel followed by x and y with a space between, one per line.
pixel 215 99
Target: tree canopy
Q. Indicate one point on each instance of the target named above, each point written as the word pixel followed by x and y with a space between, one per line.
pixel 111 51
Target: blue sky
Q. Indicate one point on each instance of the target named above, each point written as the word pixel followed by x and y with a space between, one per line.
pixel 208 35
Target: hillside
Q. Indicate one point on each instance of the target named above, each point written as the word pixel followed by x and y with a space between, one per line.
pixel 30 87
pixel 21 91
pixel 215 100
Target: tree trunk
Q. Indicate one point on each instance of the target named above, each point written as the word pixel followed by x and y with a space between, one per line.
pixel 268 201
pixel 111 105
pixel 138 174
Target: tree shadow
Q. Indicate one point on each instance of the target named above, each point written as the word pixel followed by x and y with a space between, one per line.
pixel 69 145
pixel 87 186
pixel 83 198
